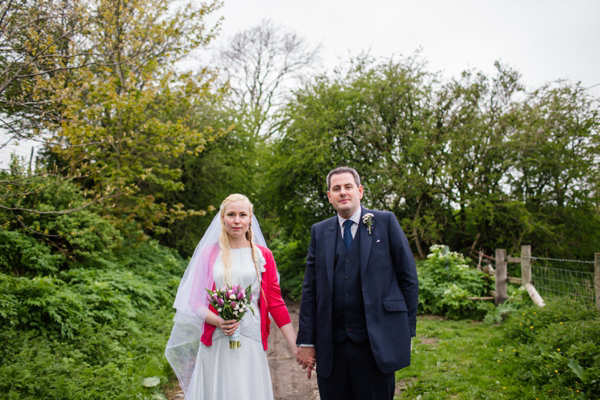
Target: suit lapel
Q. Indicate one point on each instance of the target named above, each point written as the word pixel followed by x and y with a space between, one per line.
pixel 366 240
pixel 330 244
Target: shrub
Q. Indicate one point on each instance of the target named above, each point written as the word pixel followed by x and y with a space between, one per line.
pixel 446 282
pixel 517 298
pixel 557 347
pixel 95 330
pixel 20 254
pixel 291 263
pixel 76 236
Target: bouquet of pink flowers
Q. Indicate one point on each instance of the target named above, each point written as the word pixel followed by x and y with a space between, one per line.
pixel 231 302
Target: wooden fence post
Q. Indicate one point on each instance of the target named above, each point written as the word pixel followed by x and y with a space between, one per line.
pixel 597 278
pixel 525 265
pixel 501 276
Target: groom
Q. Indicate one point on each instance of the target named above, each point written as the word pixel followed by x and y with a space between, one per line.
pixel 359 297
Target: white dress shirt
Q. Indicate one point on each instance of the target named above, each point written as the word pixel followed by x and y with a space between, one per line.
pixel 354 218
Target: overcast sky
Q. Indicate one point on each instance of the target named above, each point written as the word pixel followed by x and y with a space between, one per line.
pixel 545 40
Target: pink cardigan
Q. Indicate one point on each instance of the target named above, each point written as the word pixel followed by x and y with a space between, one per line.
pixel 271 292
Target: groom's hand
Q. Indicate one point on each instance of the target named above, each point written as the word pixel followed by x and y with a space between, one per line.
pixel 306 357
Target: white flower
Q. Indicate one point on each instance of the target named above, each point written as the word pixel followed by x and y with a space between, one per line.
pixel 368 221
pixel 235 313
pixel 232 297
pixel 219 309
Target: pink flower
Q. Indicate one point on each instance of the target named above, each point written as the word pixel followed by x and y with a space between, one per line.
pixel 233 304
pixel 241 295
pixel 220 302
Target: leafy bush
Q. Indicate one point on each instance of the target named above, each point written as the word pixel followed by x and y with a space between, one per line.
pixel 95 330
pixel 518 298
pixel 291 263
pixel 20 253
pixel 77 236
pixel 556 347
pixel 446 282
pixel 100 363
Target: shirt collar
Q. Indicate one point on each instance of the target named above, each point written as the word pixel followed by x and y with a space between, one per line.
pixel 354 217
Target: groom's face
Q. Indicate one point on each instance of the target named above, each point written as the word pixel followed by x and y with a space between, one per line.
pixel 344 195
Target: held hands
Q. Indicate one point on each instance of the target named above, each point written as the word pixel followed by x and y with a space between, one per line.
pixel 306 357
pixel 229 326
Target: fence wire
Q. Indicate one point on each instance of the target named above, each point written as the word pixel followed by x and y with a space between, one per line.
pixel 572 281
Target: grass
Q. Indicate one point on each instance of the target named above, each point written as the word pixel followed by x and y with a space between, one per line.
pixel 460 360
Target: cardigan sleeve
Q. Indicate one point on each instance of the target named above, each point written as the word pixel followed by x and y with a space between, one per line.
pixel 275 302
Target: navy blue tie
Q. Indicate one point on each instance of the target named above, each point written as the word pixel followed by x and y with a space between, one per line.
pixel 348 233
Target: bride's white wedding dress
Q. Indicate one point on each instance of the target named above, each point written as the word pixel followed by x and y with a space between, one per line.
pixel 243 373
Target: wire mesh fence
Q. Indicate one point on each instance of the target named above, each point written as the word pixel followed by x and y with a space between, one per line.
pixel 554 278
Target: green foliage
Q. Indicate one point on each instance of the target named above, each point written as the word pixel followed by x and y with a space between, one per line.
pixel 114 110
pixel 227 165
pixel 556 347
pixel 105 362
pixel 446 282
pixel 473 162
pixel 77 236
pixel 373 117
pixel 20 254
pixel 95 330
pixel 291 264
pixel 517 299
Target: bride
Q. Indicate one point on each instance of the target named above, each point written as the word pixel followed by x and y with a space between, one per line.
pixel 232 251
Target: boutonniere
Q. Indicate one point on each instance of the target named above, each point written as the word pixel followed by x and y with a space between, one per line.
pixel 368 221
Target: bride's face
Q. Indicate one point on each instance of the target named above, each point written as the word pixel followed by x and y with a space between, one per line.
pixel 237 219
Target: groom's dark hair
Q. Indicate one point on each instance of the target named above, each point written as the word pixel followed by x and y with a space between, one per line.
pixel 342 170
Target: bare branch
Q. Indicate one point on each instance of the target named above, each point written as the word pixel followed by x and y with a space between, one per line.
pixel 261 64
pixel 68 211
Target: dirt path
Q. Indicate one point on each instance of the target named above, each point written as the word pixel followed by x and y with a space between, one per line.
pixel 289 379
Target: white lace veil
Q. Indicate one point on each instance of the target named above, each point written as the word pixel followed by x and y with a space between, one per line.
pixel 191 303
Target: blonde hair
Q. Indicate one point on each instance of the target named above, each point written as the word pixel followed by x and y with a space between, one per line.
pixel 224 237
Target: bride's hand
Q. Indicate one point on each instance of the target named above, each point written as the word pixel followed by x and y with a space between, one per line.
pixel 229 326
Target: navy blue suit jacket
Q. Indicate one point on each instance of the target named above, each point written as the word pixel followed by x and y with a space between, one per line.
pixel 389 287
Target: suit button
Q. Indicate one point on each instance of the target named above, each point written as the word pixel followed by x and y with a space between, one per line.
pixel 329 319
pixel 346 294
pixel 347 278
pixel 329 298
pixel 347 261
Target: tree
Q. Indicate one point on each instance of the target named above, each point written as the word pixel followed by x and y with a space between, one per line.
pixel 376 117
pixel 227 165
pixel 477 116
pixel 556 167
pixel 123 110
pixel 40 42
pixel 259 64
pixel 473 162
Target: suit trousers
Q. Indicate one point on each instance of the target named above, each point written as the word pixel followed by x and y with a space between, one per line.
pixel 355 375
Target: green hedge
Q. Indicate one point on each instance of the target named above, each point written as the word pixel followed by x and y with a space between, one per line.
pixel 556 347
pixel 89 333
pixel 85 311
